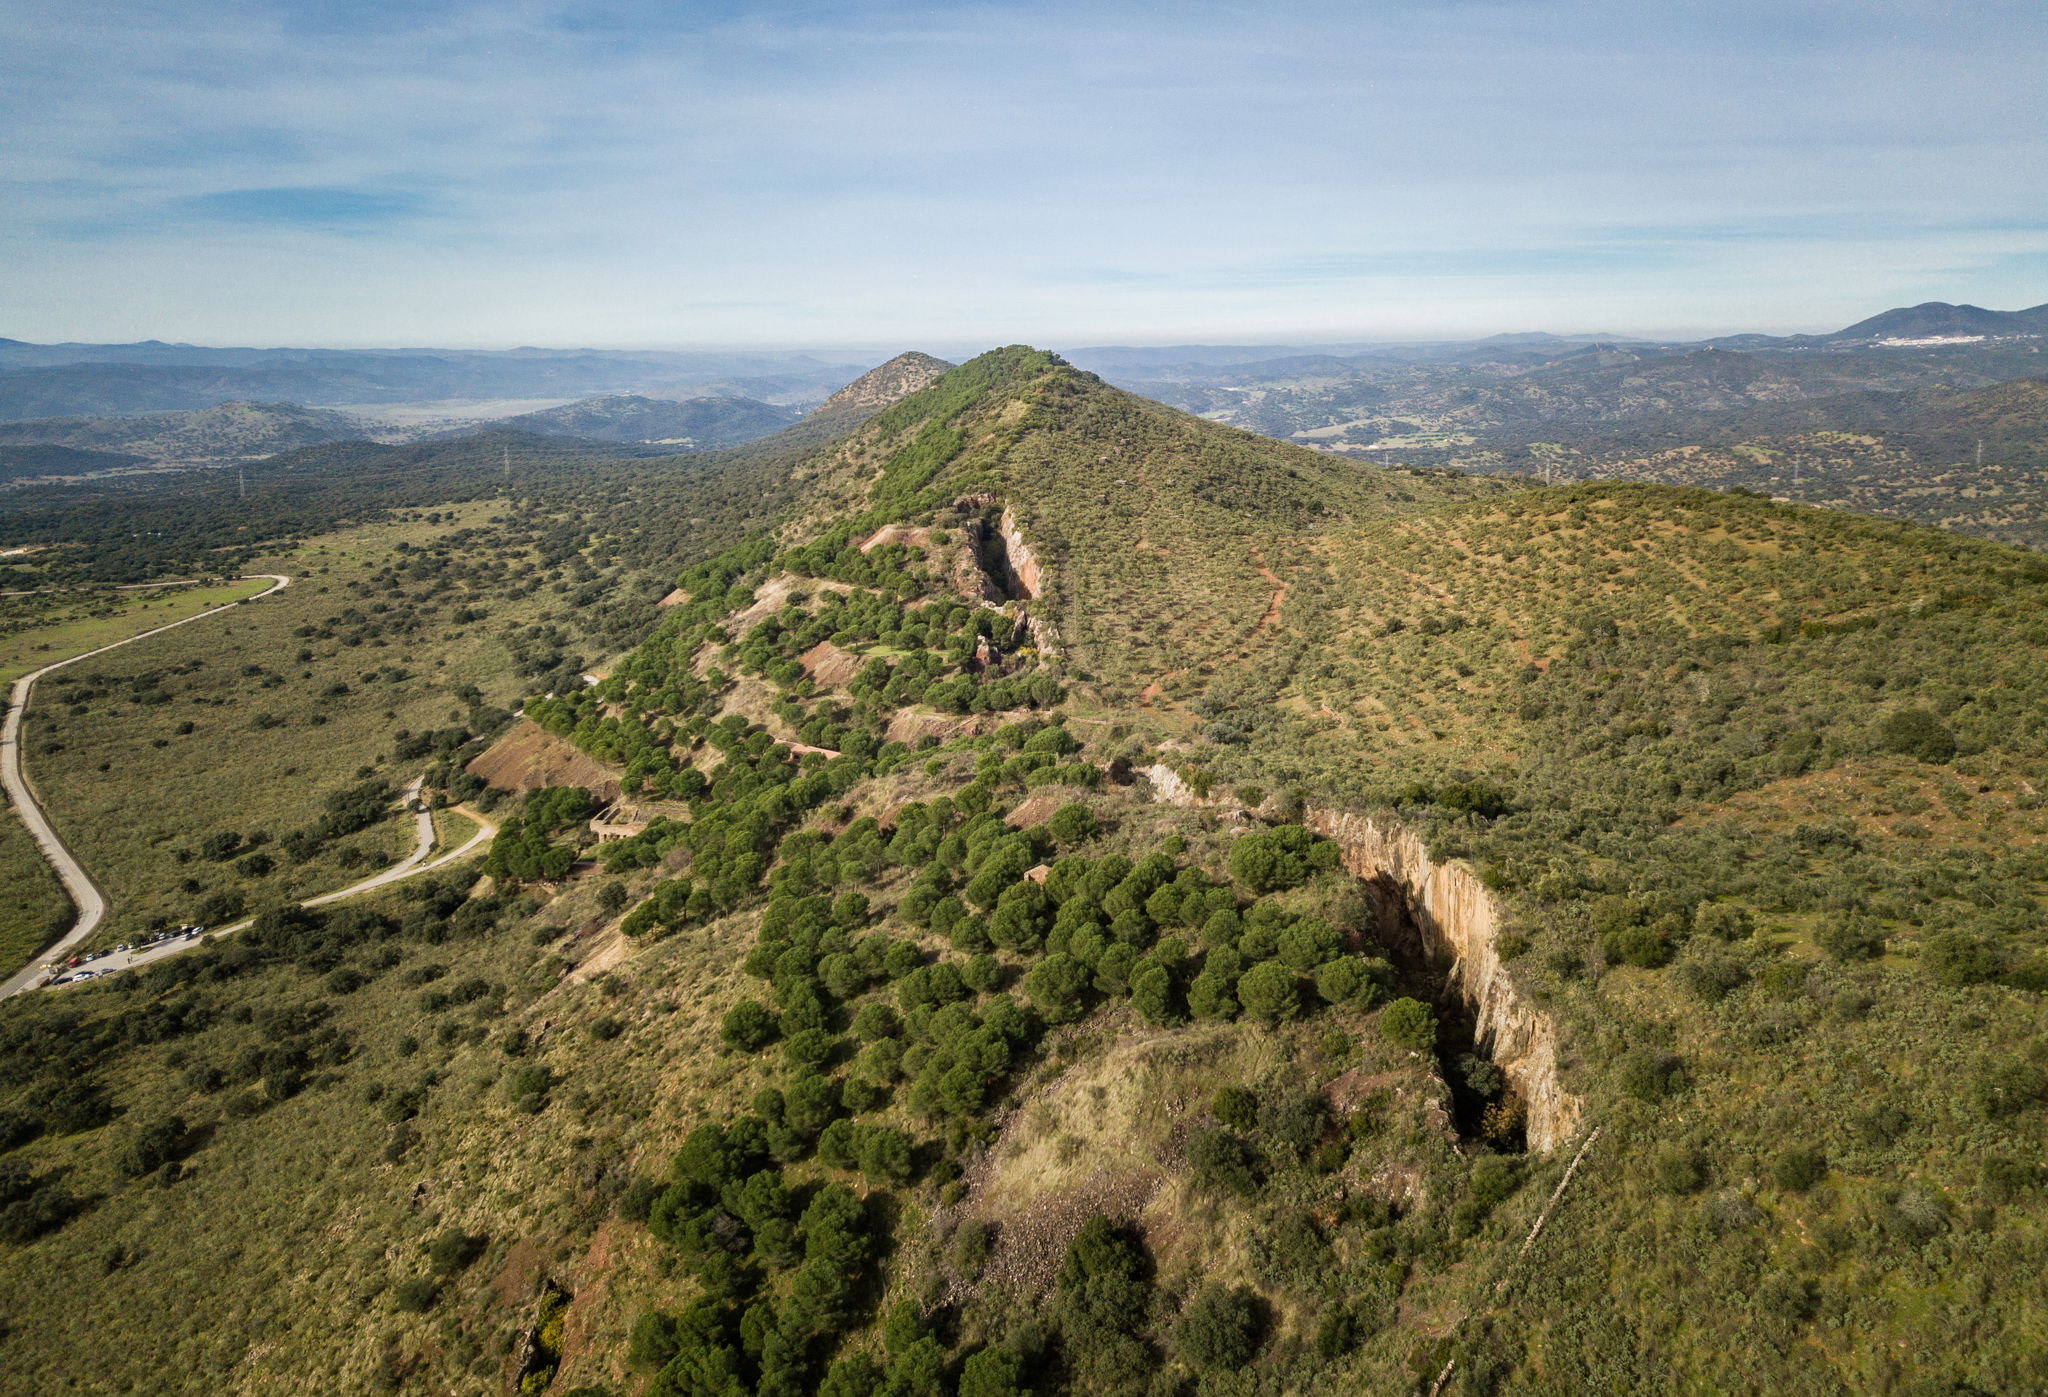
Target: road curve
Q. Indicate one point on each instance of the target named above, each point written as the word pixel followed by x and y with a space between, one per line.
pixel 414 863
pixel 85 895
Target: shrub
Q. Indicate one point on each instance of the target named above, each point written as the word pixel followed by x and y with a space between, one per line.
pixel 1677 1169
pixel 1642 946
pixel 1338 1332
pixel 1225 1160
pixel 1650 1076
pixel 1958 958
pixel 2006 1178
pixel 454 1250
pixel 1294 1120
pixel 1101 1303
pixel 1410 1024
pixel 1851 939
pixel 636 1203
pixel 2007 1087
pixel 1222 1328
pixel 159 1143
pixel 416 1295
pixel 1237 1107
pixel 1710 974
pixel 1798 1168
pixel 1917 732
pixel 528 1086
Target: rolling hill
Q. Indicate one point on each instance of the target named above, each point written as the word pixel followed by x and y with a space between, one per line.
pixel 1104 902
pixel 1974 460
pixel 224 432
pixel 30 461
pixel 1941 318
pixel 694 423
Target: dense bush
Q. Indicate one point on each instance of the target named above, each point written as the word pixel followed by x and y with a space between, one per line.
pixel 1222 1327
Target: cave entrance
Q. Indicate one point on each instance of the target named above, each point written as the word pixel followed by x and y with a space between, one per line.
pixel 992 550
pixel 1485 1108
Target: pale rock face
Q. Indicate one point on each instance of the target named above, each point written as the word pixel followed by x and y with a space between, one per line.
pixel 1459 923
pixel 1023 562
pixel 1459 926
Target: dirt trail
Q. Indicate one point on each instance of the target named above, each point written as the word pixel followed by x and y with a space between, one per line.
pixel 1149 695
pixel 413 864
pixel 1280 589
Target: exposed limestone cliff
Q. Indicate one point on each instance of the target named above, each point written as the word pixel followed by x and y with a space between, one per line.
pixel 1459 925
pixel 1023 563
pixel 1449 910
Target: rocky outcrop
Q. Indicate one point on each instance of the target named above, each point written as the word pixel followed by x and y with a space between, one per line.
pixel 1447 910
pixel 1458 923
pixel 1025 574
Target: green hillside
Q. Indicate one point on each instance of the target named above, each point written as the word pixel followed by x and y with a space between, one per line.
pixel 1975 461
pixel 222 432
pixel 695 423
pixel 973 1003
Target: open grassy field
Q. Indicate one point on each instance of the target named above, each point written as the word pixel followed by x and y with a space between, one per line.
pixel 40 630
pixel 240 728
pixel 34 908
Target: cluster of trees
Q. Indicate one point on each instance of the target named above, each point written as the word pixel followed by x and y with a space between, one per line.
pixel 783 1269
pixel 524 848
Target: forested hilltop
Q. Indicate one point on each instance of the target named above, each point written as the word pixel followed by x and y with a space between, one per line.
pixel 1090 900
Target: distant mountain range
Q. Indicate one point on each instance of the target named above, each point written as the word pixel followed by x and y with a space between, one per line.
pixel 693 423
pixel 222 432
pixel 101 380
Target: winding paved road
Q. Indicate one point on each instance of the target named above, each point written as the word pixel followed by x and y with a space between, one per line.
pixel 85 895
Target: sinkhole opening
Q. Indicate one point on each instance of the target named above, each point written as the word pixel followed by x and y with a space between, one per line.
pixel 1485 1107
pixel 992 550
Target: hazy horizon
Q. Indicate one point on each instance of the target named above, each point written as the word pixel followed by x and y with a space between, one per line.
pixel 967 348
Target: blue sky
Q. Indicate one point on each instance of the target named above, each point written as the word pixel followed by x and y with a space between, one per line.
pixel 629 173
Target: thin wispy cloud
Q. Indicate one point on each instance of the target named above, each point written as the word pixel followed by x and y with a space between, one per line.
pixel 654 173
